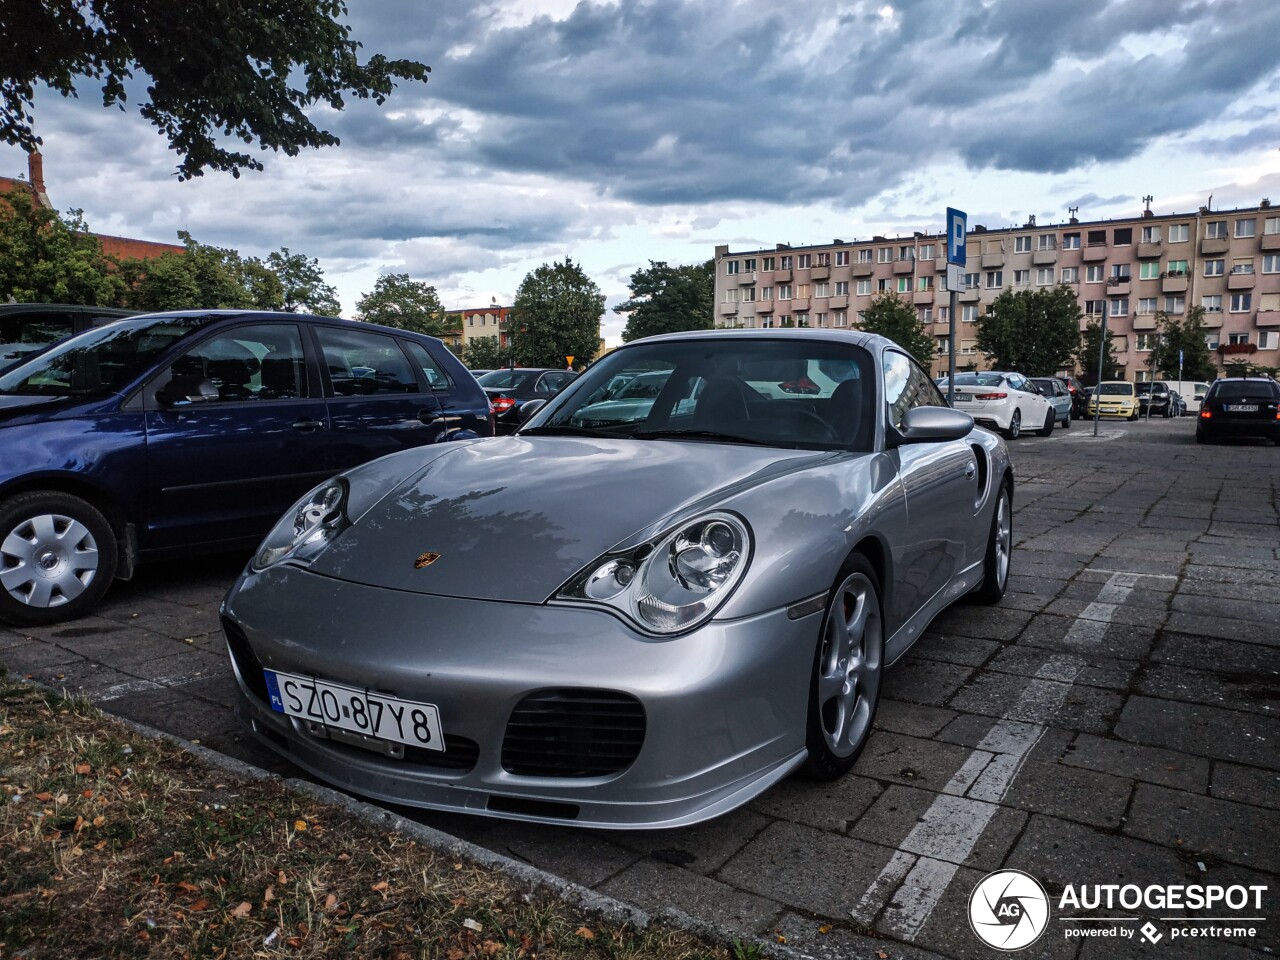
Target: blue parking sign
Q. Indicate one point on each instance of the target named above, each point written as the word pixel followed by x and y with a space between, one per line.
pixel 957 231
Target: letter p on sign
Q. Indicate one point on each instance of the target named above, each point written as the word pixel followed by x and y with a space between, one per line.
pixel 957 229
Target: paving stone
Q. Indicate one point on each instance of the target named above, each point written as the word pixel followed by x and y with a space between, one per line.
pixel 911 760
pixel 1235 832
pixel 1094 671
pixel 923 681
pixel 970 730
pixel 831 805
pixel 1250 611
pixel 950 648
pixel 1231 781
pixel 591 859
pixel 984 623
pixel 1148 764
pixel 1090 709
pixel 1238 689
pixel 702 848
pixel 81 678
pixel 913 719
pixel 1201 730
pixel 1209 653
pixel 1121 641
pixel 804 934
pixel 655 886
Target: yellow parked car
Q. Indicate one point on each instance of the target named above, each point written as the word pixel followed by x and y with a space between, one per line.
pixel 1118 399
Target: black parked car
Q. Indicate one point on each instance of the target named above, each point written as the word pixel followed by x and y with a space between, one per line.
pixel 1156 396
pixel 171 434
pixel 28 327
pixel 1240 407
pixel 1079 397
pixel 510 387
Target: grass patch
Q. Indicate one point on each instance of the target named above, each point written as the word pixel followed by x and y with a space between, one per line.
pixel 115 845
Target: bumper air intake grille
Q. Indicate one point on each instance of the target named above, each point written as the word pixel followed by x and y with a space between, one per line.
pixel 247 662
pixel 573 733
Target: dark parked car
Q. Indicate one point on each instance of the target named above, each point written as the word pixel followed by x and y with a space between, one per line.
pixel 1059 397
pixel 1079 397
pixel 28 327
pixel 172 434
pixel 1240 407
pixel 510 387
pixel 1155 397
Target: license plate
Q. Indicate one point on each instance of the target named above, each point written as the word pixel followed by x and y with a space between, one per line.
pixel 1242 407
pixel 355 710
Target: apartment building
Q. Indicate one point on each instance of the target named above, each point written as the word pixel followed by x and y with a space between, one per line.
pixel 1227 261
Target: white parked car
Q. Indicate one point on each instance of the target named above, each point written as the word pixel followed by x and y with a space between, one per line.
pixel 1007 402
pixel 1192 391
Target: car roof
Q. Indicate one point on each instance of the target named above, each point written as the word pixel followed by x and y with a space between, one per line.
pixel 6 308
pixel 215 316
pixel 859 338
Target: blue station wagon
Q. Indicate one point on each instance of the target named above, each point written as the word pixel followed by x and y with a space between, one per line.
pixel 191 432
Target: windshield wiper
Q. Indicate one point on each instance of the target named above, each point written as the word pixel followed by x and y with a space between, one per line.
pixel 564 430
pixel 699 435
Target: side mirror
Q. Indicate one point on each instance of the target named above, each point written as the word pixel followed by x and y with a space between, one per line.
pixel 529 408
pixel 187 388
pixel 933 424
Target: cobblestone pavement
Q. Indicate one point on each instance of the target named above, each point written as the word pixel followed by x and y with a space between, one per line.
pixel 1113 721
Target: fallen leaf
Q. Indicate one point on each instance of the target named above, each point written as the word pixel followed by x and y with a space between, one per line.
pixel 83 768
pixel 880 953
pixel 459 901
pixel 825 928
pixel 189 887
pixel 330 902
pixel 344 857
pixel 99 821
pixel 490 947
pixel 454 954
pixel 282 878
pixel 269 895
pixel 300 825
pixel 44 796
pixel 201 904
pixel 295 943
pixel 86 794
pixel 381 886
pixel 243 910
pixel 586 933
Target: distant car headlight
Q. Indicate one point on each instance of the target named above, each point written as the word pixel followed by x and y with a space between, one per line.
pixel 307 527
pixel 674 582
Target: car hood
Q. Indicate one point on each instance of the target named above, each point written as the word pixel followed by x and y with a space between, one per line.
pixel 514 518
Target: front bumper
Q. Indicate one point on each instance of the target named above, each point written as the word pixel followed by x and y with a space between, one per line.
pixel 724 707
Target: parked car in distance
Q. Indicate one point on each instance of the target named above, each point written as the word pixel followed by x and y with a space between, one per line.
pixel 1007 402
pixel 1192 391
pixel 1240 407
pixel 478 373
pixel 28 327
pixel 510 387
pixel 633 398
pixel 1177 406
pixel 1079 397
pixel 179 433
pixel 1059 397
pixel 619 627
pixel 1154 399
pixel 1114 398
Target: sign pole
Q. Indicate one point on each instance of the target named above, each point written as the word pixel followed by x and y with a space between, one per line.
pixel 957 234
pixel 1102 352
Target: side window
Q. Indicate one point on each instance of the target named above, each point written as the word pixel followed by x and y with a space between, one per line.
pixel 262 362
pixel 423 360
pixel 361 364
pixel 907 386
pixel 549 383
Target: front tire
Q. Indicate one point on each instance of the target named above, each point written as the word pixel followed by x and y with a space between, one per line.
pixel 845 689
pixel 999 556
pixel 57 558
pixel 1066 421
pixel 1014 429
pixel 1049 421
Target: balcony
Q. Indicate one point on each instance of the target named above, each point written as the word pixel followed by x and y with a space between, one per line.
pixel 781 276
pixel 1212 320
pixel 799 305
pixel 1267 318
pixel 923 296
pixel 1211 245
pixel 863 268
pixel 819 272
pixel 746 279
pixel 840 302
pixel 1271 241
pixel 1044 258
pixel 1144 321
pixel 901 267
pixel 969 295
pixel 1118 287
pixel 1150 251
pixel 1173 282
pixel 993 259
pixel 1237 349
pixel 1241 281
pixel 764 306
pixel 1095 252
pixel 728 309
pixel 940 264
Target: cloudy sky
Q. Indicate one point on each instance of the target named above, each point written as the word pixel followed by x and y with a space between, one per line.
pixel 616 133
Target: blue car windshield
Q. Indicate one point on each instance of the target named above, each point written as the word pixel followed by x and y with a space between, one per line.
pixel 99 361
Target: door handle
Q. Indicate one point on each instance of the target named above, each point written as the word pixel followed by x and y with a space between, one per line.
pixel 307 425
pixel 970 470
pixel 427 417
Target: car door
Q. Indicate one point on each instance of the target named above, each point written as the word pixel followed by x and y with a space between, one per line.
pixel 458 413
pixel 940 487
pixel 224 468
pixel 377 403
pixel 1034 407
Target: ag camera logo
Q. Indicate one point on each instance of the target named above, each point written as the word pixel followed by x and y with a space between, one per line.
pixel 1008 910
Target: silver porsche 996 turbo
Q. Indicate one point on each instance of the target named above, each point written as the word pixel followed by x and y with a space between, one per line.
pixel 643 620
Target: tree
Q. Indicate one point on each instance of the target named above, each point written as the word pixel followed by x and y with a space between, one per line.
pixel 397 301
pixel 556 314
pixel 45 258
pixel 1035 332
pixel 244 71
pixel 891 316
pixel 203 277
pixel 302 283
pixel 667 299
pixel 1183 335
pixel 484 353
pixel 1087 356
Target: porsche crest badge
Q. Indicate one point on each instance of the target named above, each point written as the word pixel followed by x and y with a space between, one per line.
pixel 425 560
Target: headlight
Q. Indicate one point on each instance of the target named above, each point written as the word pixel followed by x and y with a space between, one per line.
pixel 308 527
pixel 674 582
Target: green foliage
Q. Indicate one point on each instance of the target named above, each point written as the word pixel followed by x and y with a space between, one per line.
pixel 890 316
pixel 1035 332
pixel 556 314
pixel 248 71
pixel 45 258
pixel 1087 356
pixel 302 283
pixel 397 301
pixel 667 299
pixel 484 353
pixel 1186 334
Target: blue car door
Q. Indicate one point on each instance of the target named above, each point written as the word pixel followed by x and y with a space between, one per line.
pixel 236 432
pixel 377 403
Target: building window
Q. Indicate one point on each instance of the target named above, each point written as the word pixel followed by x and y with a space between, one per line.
pixel 1177 268
pixel 864 288
pixel 1211 340
pixel 907 253
pixel 1237 338
pixel 1242 265
pixel 944 314
pixel 1214 268
pixel 1071 241
pixel 969 313
pixel 1212 303
pixel 748 294
pixel 785 320
pixel 944 346
pixel 842 318
pixel 928 251
pixel 1146 342
pixel 969 348
pixel 1045 276
pixel 1120 272
pixel 766 293
pixel 886 254
pixel 1120 307
pixel 1146 305
pixel 1271 225
pixel 1122 236
pixel 1048 241
pixel 1178 233
pixel 822 289
pixel 1021 278
pixel 1094 273
pixel 1149 270
pixel 749 265
pixel 842 258
pixel 784 291
pixel 767 323
pixel 1070 274
pixel 820 319
pixel 995 279
pixel 1271 263
pixel 882 285
pixel 842 288
pixel 1094 308
pixel 924 284
pixel 802 291
pixel 1150 235
pixel 1247 227
pixel 864 256
pixel 1216 229
pixel 768 263
pixel 971 281
pixel 786 263
pixel 1175 305
pixel 822 259
pixel 904 284
pixel 804 261
pixel 1268 339
pixel 730 296
pixel 1241 302
pixel 731 267
pixel 1021 244
pixel 925 314
pixel 994 246
pixel 1097 238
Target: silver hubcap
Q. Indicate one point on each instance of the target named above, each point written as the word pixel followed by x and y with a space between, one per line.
pixel 1004 539
pixel 48 560
pixel 849 666
pixel 1015 425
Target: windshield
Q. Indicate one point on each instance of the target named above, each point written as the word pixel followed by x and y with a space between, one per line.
pixel 1237 389
pixel 806 394
pixel 99 361
pixel 1115 389
pixel 975 380
pixel 505 379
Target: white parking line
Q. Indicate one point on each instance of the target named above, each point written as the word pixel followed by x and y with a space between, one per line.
pixel 916 877
pixel 118 690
